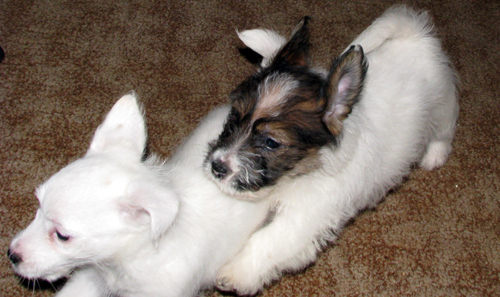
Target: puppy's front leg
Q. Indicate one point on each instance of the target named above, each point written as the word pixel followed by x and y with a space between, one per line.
pixel 288 243
pixel 82 283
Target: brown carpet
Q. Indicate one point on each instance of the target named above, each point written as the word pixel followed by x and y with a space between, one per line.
pixel 67 62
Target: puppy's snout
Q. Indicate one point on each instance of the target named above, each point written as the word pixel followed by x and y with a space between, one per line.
pixel 13 257
pixel 219 169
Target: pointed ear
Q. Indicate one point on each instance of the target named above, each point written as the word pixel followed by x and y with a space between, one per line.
pixel 123 129
pixel 150 203
pixel 296 51
pixel 265 43
pixel 343 87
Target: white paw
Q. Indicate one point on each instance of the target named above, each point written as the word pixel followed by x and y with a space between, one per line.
pixel 436 155
pixel 239 277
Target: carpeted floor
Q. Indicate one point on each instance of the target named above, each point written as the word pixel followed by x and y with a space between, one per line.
pixel 67 62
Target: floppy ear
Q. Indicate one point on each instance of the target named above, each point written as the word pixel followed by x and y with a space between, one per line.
pixel 343 87
pixel 123 129
pixel 150 203
pixel 266 43
pixel 296 51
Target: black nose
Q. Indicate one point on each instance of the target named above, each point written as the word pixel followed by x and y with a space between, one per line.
pixel 13 257
pixel 219 170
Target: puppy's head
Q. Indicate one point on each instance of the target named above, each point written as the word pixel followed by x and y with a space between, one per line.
pixel 283 114
pixel 99 206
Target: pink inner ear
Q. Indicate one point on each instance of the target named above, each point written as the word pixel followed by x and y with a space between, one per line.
pixel 344 85
pixel 135 214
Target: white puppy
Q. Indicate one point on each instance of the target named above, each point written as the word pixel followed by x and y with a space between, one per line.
pixel 321 146
pixel 131 228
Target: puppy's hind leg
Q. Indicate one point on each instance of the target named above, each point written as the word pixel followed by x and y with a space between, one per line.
pixel 83 283
pixel 443 119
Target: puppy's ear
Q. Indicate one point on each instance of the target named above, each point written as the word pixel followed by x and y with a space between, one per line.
pixel 149 203
pixel 251 56
pixel 343 87
pixel 122 131
pixel 265 43
pixel 296 51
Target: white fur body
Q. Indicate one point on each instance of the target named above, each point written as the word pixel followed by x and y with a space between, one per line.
pixel 406 114
pixel 135 228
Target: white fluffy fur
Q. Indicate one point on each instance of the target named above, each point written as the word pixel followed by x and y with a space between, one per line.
pixel 136 229
pixel 406 114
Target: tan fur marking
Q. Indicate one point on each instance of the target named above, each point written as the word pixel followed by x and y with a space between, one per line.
pixel 308 164
pixel 273 93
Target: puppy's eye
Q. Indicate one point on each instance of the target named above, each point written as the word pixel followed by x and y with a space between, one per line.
pixel 271 143
pixel 62 237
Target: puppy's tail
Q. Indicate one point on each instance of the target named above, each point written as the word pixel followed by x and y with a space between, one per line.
pixel 397 22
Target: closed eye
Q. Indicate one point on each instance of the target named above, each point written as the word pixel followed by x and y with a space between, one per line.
pixel 62 237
